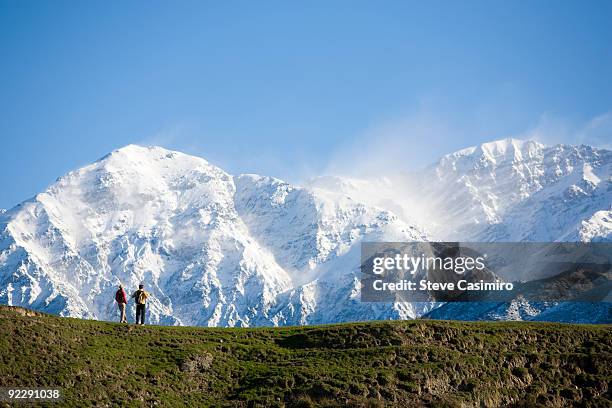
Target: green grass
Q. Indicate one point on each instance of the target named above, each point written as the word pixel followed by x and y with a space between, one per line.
pixel 412 363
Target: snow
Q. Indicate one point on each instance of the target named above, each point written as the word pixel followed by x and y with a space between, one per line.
pixel 212 248
pixel 597 228
pixel 589 175
pixel 513 190
pixel 217 249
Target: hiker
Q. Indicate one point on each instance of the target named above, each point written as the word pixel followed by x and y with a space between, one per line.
pixel 141 298
pixel 121 299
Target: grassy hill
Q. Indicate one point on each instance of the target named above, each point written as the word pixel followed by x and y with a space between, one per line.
pixel 414 363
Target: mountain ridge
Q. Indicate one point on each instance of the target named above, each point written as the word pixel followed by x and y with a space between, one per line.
pixel 223 250
pixel 177 223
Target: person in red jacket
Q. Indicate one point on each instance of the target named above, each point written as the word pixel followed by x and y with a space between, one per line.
pixel 121 299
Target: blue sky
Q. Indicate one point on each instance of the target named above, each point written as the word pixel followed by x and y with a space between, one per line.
pixel 293 90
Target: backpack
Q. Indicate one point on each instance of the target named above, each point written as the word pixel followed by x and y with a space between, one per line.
pixel 142 297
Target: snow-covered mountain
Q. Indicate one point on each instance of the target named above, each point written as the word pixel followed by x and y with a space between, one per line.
pixel 222 250
pixel 517 191
pixel 212 248
pixel 513 190
pixel 507 190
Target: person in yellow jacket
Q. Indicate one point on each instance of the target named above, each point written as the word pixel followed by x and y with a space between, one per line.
pixel 141 299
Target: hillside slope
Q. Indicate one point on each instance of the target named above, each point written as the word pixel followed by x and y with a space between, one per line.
pixel 407 363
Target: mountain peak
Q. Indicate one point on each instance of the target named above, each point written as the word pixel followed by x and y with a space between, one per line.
pixel 509 148
pixel 502 145
pixel 497 150
pixel 136 147
pixel 136 150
